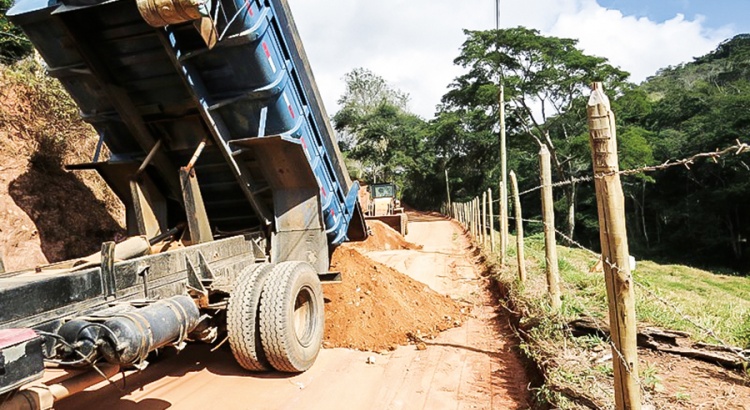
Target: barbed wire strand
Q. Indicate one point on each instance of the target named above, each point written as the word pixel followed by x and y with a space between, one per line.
pixel 737 149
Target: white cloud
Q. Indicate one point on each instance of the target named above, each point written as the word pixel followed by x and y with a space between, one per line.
pixel 412 44
pixel 638 45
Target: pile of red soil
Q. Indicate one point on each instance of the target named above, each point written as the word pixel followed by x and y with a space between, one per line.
pixel 384 238
pixel 377 308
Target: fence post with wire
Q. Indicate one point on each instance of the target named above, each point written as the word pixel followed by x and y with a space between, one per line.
pixel 614 242
pixel 550 242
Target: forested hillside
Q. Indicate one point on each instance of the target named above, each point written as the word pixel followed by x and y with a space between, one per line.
pixel 696 215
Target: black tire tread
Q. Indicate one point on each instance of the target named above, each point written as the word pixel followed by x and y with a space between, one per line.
pixel 275 323
pixel 242 320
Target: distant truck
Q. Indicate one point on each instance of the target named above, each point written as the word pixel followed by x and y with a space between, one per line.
pixel 234 188
pixel 381 203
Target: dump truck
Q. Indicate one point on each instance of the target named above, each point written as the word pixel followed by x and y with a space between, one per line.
pixel 380 203
pixel 235 192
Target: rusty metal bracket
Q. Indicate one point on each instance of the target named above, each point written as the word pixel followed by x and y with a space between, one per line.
pixel 144 275
pixel 207 274
pixel 195 285
pixel 195 210
pixel 108 268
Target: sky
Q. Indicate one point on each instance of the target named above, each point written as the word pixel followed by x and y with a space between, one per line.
pixel 412 43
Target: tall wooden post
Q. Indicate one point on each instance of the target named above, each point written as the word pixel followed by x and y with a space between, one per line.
pixel 471 218
pixel 503 183
pixel 478 208
pixel 614 240
pixel 485 239
pixel 478 204
pixel 463 214
pixel 550 243
pixel 492 220
pixel 519 228
pixel 447 188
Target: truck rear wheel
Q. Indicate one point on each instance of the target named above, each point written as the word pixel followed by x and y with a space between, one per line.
pixel 242 317
pixel 292 317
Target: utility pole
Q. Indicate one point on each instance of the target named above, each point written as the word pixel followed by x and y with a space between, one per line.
pixel 503 157
pixel 503 183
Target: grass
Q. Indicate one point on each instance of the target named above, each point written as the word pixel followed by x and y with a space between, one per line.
pixel 717 302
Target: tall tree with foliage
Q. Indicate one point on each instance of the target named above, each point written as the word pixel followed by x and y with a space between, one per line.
pixel 365 92
pixel 699 214
pixel 13 42
pixel 545 80
pixel 380 133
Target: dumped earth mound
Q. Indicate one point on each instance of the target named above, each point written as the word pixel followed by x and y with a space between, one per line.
pixel 384 238
pixel 377 308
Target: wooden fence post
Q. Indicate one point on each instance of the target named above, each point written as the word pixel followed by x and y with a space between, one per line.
pixel 550 243
pixel 614 240
pixel 519 228
pixel 485 239
pixel 447 188
pixel 478 206
pixel 463 214
pixel 492 220
pixel 477 211
pixel 472 218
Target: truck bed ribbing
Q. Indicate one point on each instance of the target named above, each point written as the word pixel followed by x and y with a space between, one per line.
pixel 252 96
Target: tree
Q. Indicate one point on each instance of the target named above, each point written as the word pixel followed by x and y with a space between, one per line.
pixel 13 42
pixel 387 140
pixel 545 78
pixel 365 92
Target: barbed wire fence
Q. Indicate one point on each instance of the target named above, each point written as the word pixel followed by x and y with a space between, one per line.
pixel 736 149
pixel 470 215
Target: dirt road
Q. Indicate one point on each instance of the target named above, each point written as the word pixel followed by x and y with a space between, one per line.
pixel 468 367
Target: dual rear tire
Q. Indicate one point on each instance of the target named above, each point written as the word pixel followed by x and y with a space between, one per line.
pixel 275 317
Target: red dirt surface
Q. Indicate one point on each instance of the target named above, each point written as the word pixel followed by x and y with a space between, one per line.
pixel 48 214
pixel 683 383
pixel 377 308
pixel 383 238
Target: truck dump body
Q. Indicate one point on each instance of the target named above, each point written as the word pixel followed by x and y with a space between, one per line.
pixel 251 97
pixel 225 160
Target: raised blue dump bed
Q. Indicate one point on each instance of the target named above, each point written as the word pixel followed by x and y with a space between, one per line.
pixel 252 96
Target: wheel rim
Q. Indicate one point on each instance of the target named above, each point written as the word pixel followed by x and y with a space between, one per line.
pixel 304 316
